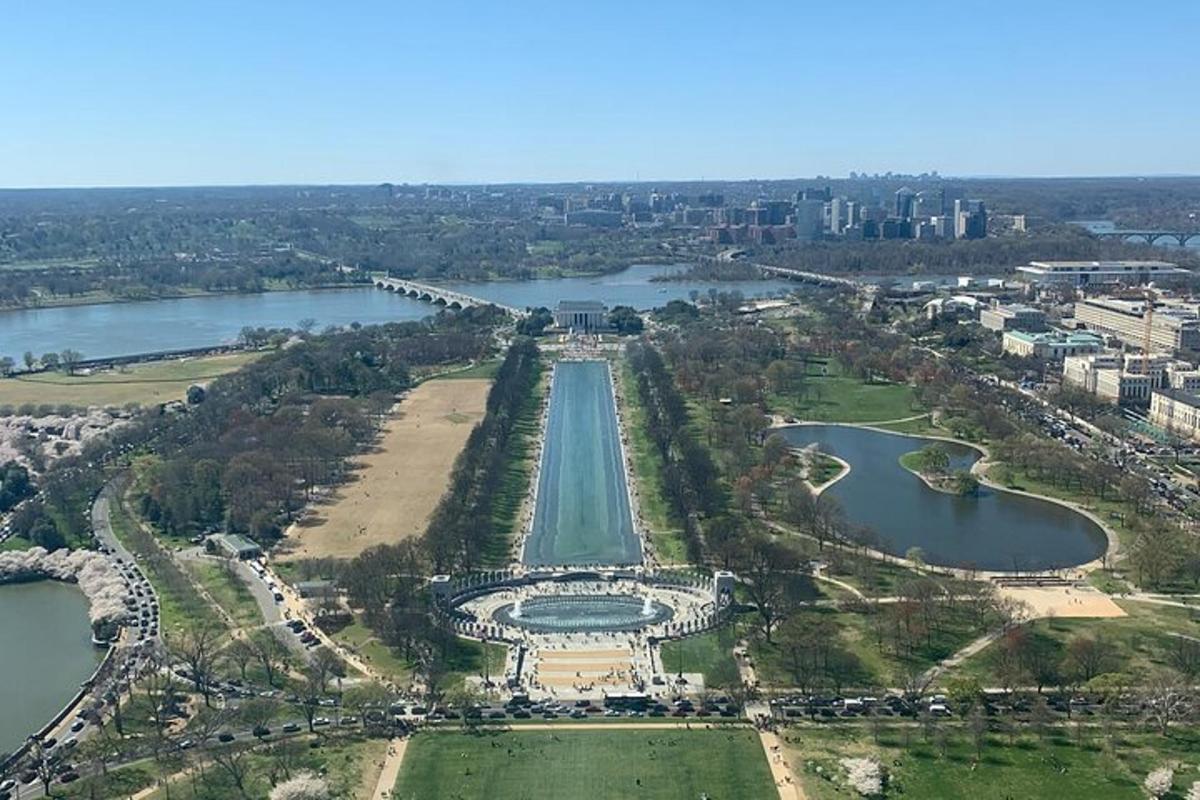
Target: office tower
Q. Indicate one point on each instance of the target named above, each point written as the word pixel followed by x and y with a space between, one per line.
pixel 904 203
pixel 810 219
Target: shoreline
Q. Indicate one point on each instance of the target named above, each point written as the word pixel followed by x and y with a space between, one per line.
pixel 979 470
pixel 116 301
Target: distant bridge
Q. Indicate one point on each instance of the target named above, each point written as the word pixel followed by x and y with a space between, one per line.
pixel 1150 237
pixel 787 272
pixel 439 296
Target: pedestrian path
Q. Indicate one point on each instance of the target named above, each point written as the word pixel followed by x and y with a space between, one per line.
pixel 391 769
pixel 781 771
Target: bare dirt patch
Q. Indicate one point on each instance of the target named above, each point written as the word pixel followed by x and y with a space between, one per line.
pixel 1059 601
pixel 396 486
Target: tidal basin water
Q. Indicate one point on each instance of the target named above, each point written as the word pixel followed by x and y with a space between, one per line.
pixel 45 653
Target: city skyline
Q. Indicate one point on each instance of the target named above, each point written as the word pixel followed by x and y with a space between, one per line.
pixel 226 95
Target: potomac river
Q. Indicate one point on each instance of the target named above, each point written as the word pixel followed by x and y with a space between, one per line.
pixel 122 329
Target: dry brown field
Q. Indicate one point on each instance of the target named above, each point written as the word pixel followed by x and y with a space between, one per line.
pixel 395 487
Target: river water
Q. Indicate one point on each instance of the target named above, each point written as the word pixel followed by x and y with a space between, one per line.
pixel 121 329
pixel 45 653
pixel 994 530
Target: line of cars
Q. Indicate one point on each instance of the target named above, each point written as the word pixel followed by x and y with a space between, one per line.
pixel 826 707
pixel 521 707
pixel 142 602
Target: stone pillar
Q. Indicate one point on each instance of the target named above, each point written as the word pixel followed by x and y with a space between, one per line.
pixel 440 588
pixel 722 587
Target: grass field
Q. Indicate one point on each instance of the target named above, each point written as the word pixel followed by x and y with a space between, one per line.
pixel 1136 644
pixel 867 664
pixel 396 486
pixel 709 653
pixel 464 658
pixel 145 384
pixel 349 763
pixel 228 590
pixel 841 398
pixel 520 458
pixel 665 532
pixel 1072 765
pixel 596 765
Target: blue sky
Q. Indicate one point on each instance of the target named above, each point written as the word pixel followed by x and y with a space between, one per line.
pixel 133 93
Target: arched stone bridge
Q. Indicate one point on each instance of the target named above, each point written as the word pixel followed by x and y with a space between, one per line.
pixel 1150 237
pixel 439 296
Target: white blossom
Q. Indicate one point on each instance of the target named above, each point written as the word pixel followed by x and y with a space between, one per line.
pixel 1194 792
pixel 305 786
pixel 98 579
pixel 865 775
pixel 1158 782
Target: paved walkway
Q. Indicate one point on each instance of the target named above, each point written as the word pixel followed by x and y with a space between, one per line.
pixel 781 771
pixel 391 769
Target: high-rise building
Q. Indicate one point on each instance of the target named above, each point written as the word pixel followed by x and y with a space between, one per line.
pixel 904 203
pixel 835 215
pixel 928 203
pixel 943 226
pixel 810 219
pixel 975 226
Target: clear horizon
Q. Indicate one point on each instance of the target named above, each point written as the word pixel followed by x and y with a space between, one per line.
pixel 221 94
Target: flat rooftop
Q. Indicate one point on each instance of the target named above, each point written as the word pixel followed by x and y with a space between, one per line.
pixel 1118 266
pixel 1056 337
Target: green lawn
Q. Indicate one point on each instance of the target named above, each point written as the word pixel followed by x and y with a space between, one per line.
pixel 361 639
pixel 15 543
pixel 665 531
pixel 465 657
pixel 871 666
pixel 710 653
pixel 842 398
pixel 870 576
pixel 348 762
pixel 228 590
pixel 1065 766
pixel 519 463
pixel 1137 644
pixel 919 427
pixel 149 383
pixel 596 765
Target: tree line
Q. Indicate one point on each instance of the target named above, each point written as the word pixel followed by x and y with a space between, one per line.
pixel 689 476
pixel 463 525
pixel 251 454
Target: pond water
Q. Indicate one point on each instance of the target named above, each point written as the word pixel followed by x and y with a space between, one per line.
pixel 45 653
pixel 121 329
pixel 582 514
pixel 994 530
